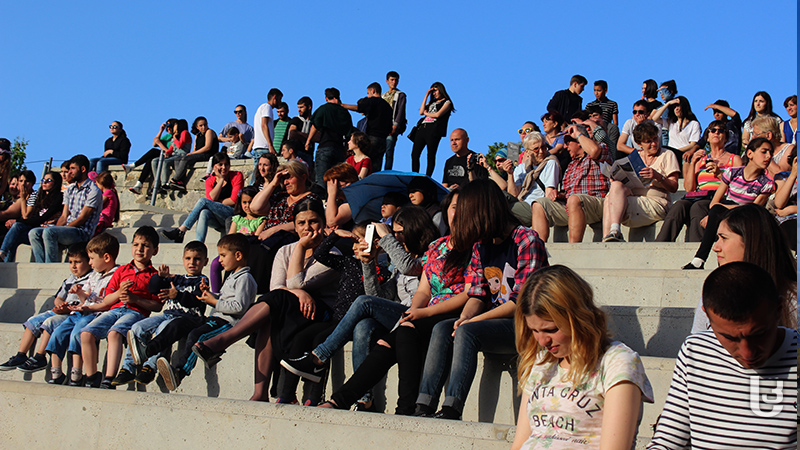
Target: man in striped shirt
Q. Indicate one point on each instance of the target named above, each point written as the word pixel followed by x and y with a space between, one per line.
pixel 734 386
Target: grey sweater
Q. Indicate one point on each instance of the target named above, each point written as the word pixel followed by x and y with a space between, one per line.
pixel 236 294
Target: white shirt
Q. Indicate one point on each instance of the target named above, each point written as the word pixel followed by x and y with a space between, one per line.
pixel 260 141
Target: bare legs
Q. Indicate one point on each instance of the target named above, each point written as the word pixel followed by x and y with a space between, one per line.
pixel 614 205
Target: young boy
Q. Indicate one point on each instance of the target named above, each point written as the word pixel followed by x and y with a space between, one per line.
pixel 392 201
pixel 102 250
pixel 236 148
pixel 42 325
pixel 128 301
pixel 609 107
pixel 182 311
pixel 235 296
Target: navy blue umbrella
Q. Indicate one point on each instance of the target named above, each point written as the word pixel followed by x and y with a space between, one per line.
pixel 366 196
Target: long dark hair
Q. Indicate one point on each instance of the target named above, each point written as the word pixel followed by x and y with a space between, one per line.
pixel 273 169
pixel 53 197
pixel 767 107
pixel 194 124
pixel 766 247
pixel 418 228
pixel 650 89
pixel 686 110
pixel 250 191
pixel 438 85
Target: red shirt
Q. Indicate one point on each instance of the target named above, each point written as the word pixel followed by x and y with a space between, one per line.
pixel 235 181
pixel 141 280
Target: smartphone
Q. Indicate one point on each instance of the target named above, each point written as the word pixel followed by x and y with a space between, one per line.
pixel 369 236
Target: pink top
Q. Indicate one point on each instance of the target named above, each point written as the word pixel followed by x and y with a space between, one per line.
pixel 110 210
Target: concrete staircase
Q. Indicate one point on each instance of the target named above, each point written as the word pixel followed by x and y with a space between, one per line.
pixel 649 300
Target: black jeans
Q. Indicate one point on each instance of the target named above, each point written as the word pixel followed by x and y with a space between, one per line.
pixel 147 170
pixel 427 135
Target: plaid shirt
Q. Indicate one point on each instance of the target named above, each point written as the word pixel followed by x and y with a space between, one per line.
pixel 516 258
pixel 583 175
pixel 78 196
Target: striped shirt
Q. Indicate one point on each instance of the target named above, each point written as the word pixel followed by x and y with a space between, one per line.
pixel 743 191
pixel 710 404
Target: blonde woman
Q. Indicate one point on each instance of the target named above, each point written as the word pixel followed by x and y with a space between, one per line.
pixel 580 388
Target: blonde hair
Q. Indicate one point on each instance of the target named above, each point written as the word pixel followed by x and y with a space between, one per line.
pixel 768 124
pixel 295 168
pixel 560 295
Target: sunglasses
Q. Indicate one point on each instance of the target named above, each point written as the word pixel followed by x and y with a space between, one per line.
pixel 238 111
pixel 524 130
pixel 47 180
pixel 113 127
pixel 716 130
pixel 637 112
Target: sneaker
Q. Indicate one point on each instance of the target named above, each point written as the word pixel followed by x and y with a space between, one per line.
pixel 34 364
pixel 691 266
pixel 614 236
pixel 286 401
pixel 135 191
pixel 93 381
pixel 177 185
pixel 14 362
pixel 79 382
pixel 107 383
pixel 175 235
pixel 364 407
pixel 146 375
pixel 305 367
pixel 58 380
pixel 167 374
pixel 424 411
pixel 136 348
pixel 123 377
pixel 208 356
pixel 448 413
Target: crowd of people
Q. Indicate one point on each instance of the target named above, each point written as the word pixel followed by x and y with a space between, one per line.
pixel 438 275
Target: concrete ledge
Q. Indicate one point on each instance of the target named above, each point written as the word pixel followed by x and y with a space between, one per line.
pixel 144 420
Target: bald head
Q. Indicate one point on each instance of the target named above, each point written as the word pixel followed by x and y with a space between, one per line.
pixel 459 142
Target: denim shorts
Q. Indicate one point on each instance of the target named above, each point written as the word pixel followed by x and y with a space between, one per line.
pixel 120 320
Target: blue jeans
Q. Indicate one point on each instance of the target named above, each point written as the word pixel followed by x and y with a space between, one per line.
pixel 488 336
pixel 16 235
pixel 101 164
pixel 67 336
pixel 327 157
pixel 363 317
pixel 45 241
pixel 390 143
pixel 119 319
pixel 143 330
pixel 376 151
pixel 208 213
pixel 34 324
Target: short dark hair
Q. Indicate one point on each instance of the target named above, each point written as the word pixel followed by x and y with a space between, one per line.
pixel 791 98
pixel 580 79
pixel 196 246
pixel 332 93
pixel 294 146
pixel 375 87
pixel 219 158
pixel 602 83
pixel 592 109
pixel 148 233
pixel 643 103
pixel 65 164
pixel 104 243
pixel 81 161
pixel 310 204
pixel 395 198
pixel 284 105
pixel 79 251
pixel 235 242
pixel 391 74
pixel 273 92
pixel 233 131
pixel 645 131
pixel 306 101
pixel 737 290
pixel 5 144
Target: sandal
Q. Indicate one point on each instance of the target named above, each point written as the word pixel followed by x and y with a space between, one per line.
pixel 209 357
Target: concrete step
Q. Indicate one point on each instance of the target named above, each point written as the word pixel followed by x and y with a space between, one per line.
pixel 490 400
pixel 625 255
pixel 50 276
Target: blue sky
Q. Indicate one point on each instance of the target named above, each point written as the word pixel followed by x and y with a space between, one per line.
pixel 72 68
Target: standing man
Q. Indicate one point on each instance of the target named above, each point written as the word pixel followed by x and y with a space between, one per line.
pixel 736 385
pixel 379 123
pixel 281 125
pixel 568 101
pixel 83 202
pixel 397 100
pixel 332 124
pixel 608 107
pixel 264 129
pixel 246 131
pixel 455 168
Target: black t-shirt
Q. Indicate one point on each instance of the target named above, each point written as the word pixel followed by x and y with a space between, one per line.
pixel 455 170
pixel 379 116
pixel 565 103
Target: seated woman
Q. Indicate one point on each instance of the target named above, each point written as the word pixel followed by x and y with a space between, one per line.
pixel 738 186
pixel 45 207
pixel 10 206
pixel 552 123
pixel 789 128
pixel 265 170
pixel 359 145
pixel 700 180
pixel 683 128
pixel 504 255
pixel 378 311
pixel 162 139
pixel 205 144
pixel 786 205
pixel 539 173
pixel 422 192
pixel 440 296
pixel 643 206
pixel 337 210
pixel 117 148
pixel 22 201
pixel 222 190
pixel 302 292
pixel 181 146
pixel 563 346
pixel 760 107
pixel 743 235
